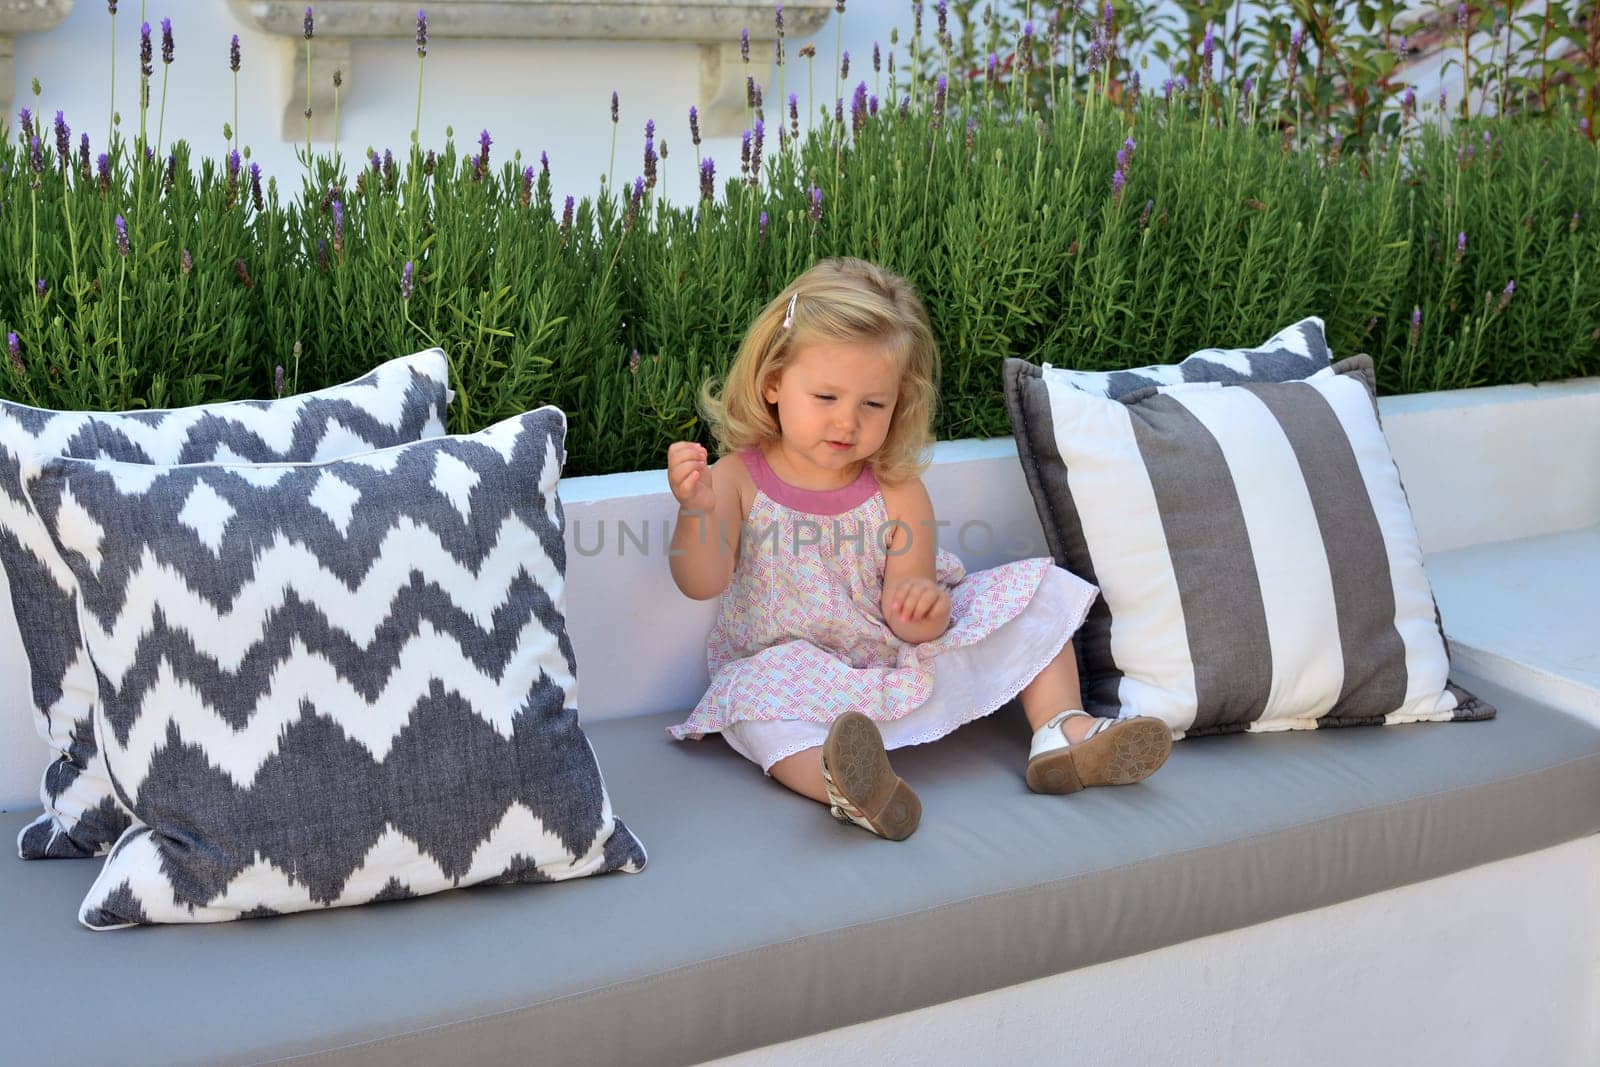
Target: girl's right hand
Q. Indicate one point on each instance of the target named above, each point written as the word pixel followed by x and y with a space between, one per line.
pixel 689 475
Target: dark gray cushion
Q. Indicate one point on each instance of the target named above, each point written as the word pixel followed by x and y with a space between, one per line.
pixel 761 919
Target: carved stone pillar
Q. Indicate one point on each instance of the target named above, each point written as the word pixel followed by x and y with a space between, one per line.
pixel 712 24
pixel 23 16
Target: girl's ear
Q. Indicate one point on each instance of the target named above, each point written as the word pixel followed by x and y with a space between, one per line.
pixel 769 390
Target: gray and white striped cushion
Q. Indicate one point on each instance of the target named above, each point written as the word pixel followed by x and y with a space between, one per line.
pixel 1258 564
pixel 402 400
pixel 325 684
pixel 1294 352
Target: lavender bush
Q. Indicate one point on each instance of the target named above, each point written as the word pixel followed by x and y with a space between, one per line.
pixel 1091 225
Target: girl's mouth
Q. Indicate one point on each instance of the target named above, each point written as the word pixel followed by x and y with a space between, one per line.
pixel 840 446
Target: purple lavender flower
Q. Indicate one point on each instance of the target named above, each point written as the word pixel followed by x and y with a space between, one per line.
pixel 877 59
pixel 744 153
pixel 255 185
pixel 844 67
pixel 566 214
pixel 1461 245
pixel 992 68
pixel 35 157
pixel 1027 38
pixel 338 227
pixel 1118 180
pixel 1461 16
pixel 146 52
pixel 940 87
pixel 694 125
pixel 942 10
pixel 858 108
pixel 650 152
pixel 638 189
pixel 422 35
pixel 527 186
pixel 103 170
pixel 83 156
pixel 1144 216
pixel 1416 324
pixel 171 178
pixel 1506 293
pixel 121 225
pixel 1583 126
pixel 761 231
pixel 838 110
pixel 1408 106
pixel 41 288
pixel 1444 97
pixel 1488 139
pixel 972 131
pixel 544 164
pixel 63 140
pixel 757 142
pixel 1183 84
pixel 816 205
pixel 233 54
pixel 905 106
pixel 616 109
pixel 25 120
pixel 111 6
pixel 1166 89
pixel 777 18
pixel 872 105
pixel 14 346
pixel 234 163
pixel 483 149
pixel 308 28
pixel 166 41
pixel 277 381
pixel 708 178
pixel 794 116
pixel 1207 54
pixel 405 282
pixel 1249 84
pixel 744 45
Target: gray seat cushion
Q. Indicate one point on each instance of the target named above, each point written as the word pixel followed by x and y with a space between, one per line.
pixel 761 919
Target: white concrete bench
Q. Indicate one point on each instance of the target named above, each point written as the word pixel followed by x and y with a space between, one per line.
pixel 1409 894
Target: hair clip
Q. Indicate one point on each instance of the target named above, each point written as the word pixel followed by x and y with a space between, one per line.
pixel 788 318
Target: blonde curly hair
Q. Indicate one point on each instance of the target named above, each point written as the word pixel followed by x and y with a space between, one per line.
pixel 848 300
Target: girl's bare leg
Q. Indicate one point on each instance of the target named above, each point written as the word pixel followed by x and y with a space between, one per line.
pixel 1053 691
pixel 802 772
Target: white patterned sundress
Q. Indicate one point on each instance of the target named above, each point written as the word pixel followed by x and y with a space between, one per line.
pixel 799 637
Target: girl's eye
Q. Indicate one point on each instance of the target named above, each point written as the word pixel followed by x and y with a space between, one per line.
pixel 874 404
pixel 822 396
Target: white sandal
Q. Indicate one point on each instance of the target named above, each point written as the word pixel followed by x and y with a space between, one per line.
pixel 1113 752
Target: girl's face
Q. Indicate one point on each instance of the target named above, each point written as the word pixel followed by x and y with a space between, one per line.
pixel 835 401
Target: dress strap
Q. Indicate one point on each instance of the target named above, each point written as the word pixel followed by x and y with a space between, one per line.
pixel 810 501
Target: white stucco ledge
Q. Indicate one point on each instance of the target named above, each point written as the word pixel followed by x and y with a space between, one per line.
pixel 712 25
pixel 23 16
pixel 641 20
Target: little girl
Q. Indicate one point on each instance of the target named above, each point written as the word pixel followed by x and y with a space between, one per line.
pixel 842 629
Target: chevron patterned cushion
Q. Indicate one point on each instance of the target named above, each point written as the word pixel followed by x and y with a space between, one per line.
pixel 402 400
pixel 332 683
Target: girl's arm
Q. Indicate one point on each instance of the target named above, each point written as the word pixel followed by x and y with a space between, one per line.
pixel 914 605
pixel 705 542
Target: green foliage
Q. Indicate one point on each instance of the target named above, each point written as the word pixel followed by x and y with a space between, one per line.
pixel 1003 209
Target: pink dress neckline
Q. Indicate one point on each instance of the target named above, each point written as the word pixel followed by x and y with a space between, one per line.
pixel 810 501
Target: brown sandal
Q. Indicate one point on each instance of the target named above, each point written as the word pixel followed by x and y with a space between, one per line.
pixel 1113 752
pixel 862 787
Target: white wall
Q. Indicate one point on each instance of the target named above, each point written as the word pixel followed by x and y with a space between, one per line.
pixel 529 95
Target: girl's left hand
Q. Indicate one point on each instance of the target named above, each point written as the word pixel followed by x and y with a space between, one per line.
pixel 914 599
